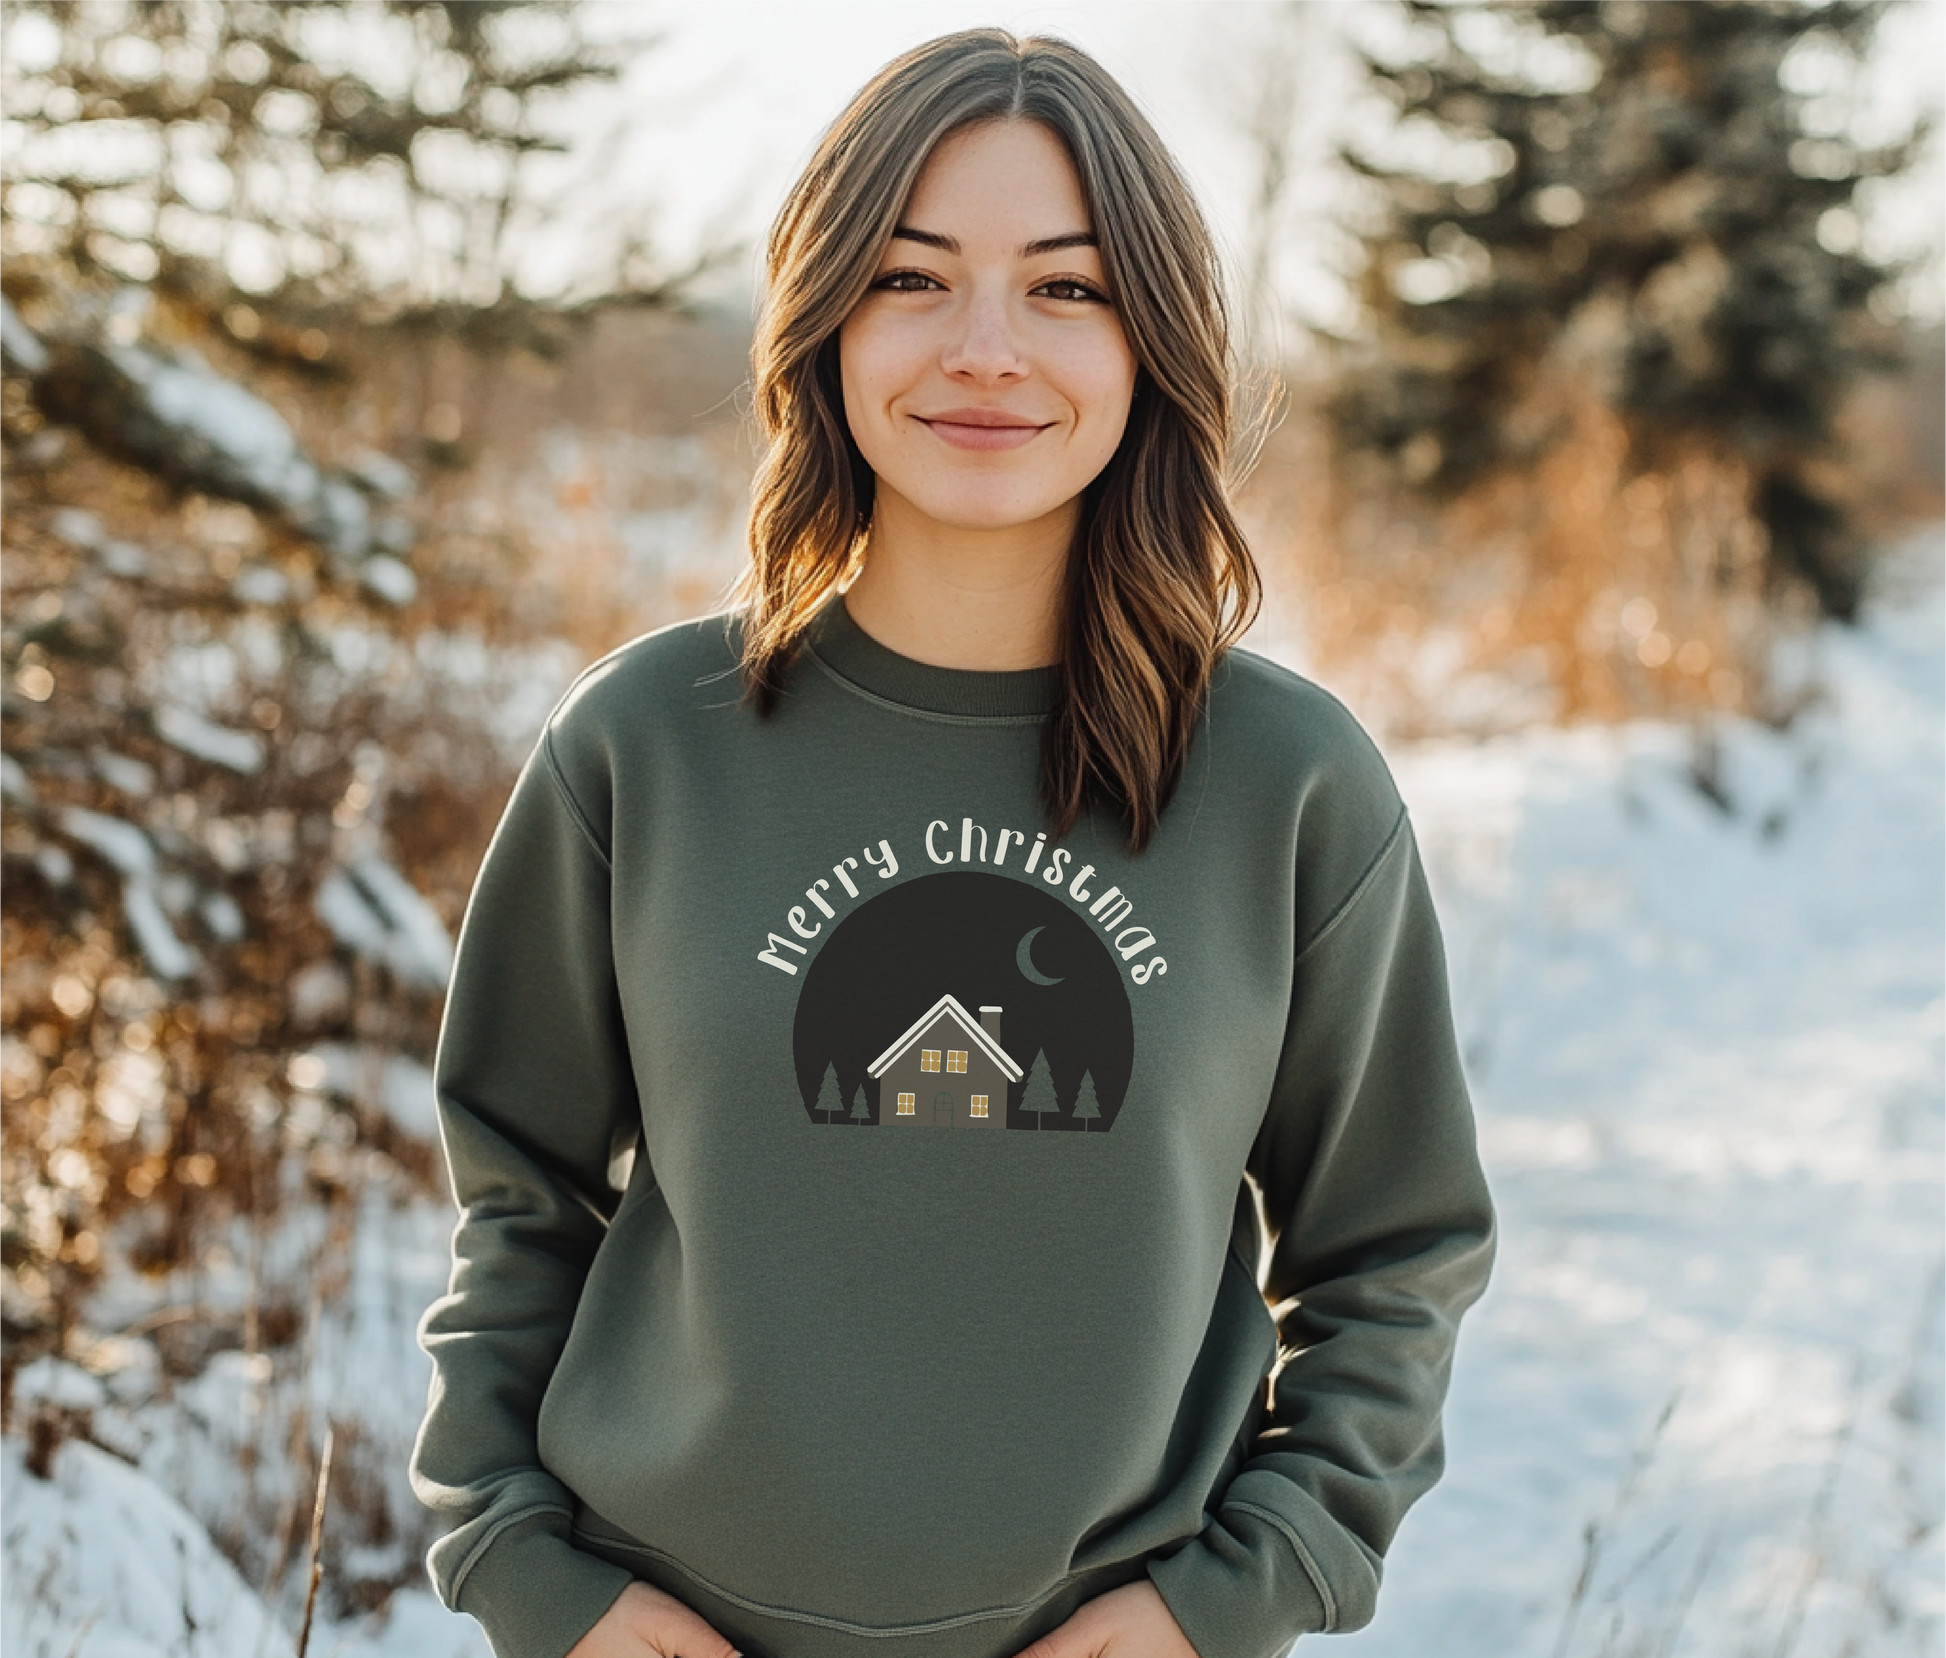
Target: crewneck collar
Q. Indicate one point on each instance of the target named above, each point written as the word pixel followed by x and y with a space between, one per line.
pixel 854 656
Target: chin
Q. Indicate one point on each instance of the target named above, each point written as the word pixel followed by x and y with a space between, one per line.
pixel 968 512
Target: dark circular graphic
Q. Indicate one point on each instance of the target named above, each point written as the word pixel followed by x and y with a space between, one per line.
pixel 964 1000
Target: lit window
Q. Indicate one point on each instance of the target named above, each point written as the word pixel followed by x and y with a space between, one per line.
pixel 956 1059
pixel 979 1105
pixel 928 1059
pixel 908 1106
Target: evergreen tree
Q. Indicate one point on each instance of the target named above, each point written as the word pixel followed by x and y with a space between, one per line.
pixel 831 1099
pixel 1037 1099
pixel 434 112
pixel 861 1112
pixel 1087 1109
pixel 1645 201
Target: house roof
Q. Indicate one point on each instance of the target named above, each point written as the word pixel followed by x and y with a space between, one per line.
pixel 979 1038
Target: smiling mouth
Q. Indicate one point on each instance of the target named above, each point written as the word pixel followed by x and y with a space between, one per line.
pixel 981 429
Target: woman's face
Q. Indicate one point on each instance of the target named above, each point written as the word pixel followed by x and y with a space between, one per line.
pixel 986 375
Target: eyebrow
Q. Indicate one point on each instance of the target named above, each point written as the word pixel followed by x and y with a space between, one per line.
pixel 1028 250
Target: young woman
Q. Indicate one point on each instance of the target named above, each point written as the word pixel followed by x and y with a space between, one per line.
pixel 969 821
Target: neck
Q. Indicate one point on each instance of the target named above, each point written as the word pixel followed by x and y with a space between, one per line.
pixel 960 598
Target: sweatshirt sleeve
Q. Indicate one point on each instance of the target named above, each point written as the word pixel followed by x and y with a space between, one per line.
pixel 536 1096
pixel 1382 1235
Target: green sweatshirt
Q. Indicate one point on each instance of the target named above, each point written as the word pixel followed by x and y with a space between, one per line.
pixel 926 1307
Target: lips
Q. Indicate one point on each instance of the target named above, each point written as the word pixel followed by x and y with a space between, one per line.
pixel 981 428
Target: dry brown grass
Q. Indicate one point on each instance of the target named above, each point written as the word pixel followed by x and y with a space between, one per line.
pixel 1580 588
pixel 165 1127
pixel 535 477
pixel 549 485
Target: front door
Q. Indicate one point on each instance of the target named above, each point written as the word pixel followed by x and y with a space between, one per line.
pixel 942 1110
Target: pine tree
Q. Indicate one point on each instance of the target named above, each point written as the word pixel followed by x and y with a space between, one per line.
pixel 1640 202
pixel 861 1112
pixel 1037 1099
pixel 1087 1109
pixel 831 1099
pixel 293 102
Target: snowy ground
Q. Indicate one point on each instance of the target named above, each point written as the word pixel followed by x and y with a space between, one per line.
pixel 1699 1411
pixel 1698 1414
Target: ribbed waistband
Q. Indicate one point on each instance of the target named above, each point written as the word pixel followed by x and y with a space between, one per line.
pixel 760 1631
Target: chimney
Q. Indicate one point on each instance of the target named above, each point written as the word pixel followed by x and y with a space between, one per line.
pixel 990 1023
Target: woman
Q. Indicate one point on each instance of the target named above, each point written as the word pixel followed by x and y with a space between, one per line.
pixel 1001 838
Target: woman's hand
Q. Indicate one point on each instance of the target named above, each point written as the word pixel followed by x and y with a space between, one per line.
pixel 646 1623
pixel 1130 1622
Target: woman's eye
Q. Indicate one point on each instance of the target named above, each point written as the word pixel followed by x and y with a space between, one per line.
pixel 1067 288
pixel 904 282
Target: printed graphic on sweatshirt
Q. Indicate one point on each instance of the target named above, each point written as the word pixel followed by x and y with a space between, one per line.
pixel 964 1001
pixel 1108 907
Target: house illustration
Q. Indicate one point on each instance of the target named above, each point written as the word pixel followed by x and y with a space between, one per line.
pixel 946 1071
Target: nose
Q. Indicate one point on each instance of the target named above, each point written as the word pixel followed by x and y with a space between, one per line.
pixel 984 344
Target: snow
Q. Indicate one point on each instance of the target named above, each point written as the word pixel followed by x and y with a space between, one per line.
pixel 83 529
pixel 414 1623
pixel 168 957
pixel 341 519
pixel 59 1383
pixel 398 1087
pixel 124 559
pixel 131 851
pixel 239 437
pixel 375 912
pixel 394 533
pixel 1698 1414
pixel 385 578
pixel 384 475
pixel 422 948
pixel 223 916
pixel 15 784
pixel 122 773
pixel 240 751
pixel 173 410
pixel 102 1563
pixel 261 584
pixel 19 344
pixel 120 842
pixel 318 992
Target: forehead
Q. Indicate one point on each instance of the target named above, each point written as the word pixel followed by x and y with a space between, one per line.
pixel 1013 178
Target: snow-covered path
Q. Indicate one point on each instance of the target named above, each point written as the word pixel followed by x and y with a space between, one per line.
pixel 1698 1414
pixel 1699 1411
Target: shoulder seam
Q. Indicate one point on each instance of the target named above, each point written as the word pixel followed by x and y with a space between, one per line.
pixel 574 806
pixel 1358 889
pixel 1304 1558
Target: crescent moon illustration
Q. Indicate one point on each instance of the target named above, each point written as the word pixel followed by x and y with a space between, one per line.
pixel 1024 960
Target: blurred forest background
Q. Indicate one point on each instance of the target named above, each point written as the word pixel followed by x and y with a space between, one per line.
pixel 320 486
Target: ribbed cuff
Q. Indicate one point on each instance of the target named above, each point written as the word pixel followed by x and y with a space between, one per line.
pixel 534 1593
pixel 1239 1590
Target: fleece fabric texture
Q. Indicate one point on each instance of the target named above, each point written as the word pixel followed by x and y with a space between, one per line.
pixel 858 1190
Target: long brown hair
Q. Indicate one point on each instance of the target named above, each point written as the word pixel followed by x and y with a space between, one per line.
pixel 1159 580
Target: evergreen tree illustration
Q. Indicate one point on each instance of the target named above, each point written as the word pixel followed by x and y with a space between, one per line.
pixel 830 1101
pixel 1038 1099
pixel 1087 1109
pixel 860 1111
